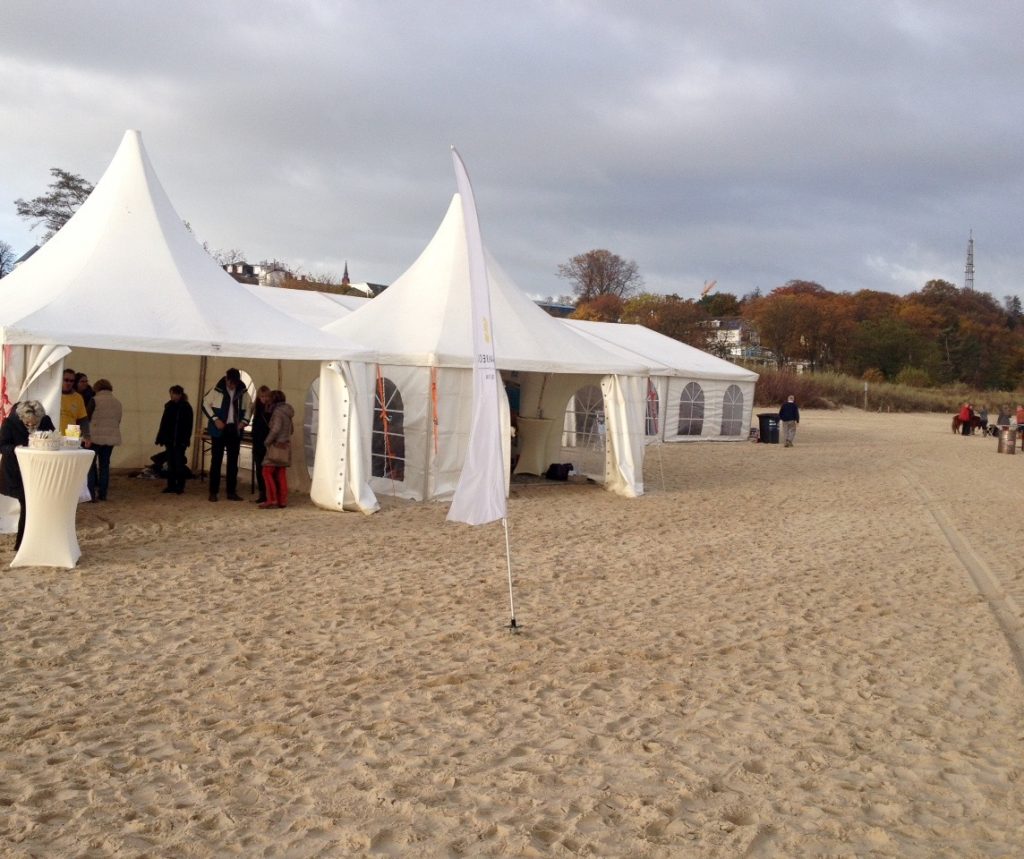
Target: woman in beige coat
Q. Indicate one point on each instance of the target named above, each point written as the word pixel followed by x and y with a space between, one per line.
pixel 279 452
pixel 105 431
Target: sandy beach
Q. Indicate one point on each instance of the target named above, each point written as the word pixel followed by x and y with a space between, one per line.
pixel 813 651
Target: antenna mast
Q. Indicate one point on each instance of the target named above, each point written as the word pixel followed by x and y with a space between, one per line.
pixel 969 268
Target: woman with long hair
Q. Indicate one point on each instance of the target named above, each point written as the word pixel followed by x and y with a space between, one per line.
pixel 279 452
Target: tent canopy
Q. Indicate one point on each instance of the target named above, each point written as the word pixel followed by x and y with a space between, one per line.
pixel 665 356
pixel 125 274
pixel 423 319
pixel 313 308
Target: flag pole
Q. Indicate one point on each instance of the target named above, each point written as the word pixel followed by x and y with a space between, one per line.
pixel 508 558
pixel 481 493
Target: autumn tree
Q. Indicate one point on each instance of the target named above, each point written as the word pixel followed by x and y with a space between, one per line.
pixel 601 308
pixel 670 315
pixel 55 208
pixel 600 272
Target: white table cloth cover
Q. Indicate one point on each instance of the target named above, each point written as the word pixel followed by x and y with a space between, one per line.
pixel 533 458
pixel 52 480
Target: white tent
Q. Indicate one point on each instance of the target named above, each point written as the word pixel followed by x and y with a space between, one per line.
pixel 309 306
pixel 416 405
pixel 691 395
pixel 130 291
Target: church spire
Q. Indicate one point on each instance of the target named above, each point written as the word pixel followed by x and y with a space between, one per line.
pixel 344 278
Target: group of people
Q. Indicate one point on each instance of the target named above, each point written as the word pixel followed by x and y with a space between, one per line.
pixel 97 413
pixel 227 415
pixel 92 408
pixel 971 419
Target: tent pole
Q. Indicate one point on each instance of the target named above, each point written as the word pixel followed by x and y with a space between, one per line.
pixel 197 440
pixel 508 559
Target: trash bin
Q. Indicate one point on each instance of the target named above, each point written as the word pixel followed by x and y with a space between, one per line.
pixel 1007 440
pixel 768 427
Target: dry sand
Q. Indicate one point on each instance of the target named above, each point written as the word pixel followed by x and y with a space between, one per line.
pixel 806 652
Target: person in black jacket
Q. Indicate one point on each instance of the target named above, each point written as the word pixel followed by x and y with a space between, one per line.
pixel 260 426
pixel 175 434
pixel 26 417
pixel 789 417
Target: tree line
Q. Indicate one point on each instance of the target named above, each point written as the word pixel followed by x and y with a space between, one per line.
pixel 937 335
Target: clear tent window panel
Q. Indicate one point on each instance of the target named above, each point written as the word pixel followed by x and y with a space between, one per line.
pixel 310 423
pixel 691 410
pixel 387 457
pixel 651 420
pixel 732 411
pixel 583 433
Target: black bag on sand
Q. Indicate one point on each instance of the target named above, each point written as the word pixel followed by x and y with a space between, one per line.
pixel 558 471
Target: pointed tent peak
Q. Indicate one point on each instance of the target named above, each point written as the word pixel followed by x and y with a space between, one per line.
pixel 423 318
pixel 126 261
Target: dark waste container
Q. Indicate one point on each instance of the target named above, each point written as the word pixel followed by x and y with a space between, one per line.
pixel 768 427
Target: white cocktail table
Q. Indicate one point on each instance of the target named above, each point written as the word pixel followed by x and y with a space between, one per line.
pixel 53 480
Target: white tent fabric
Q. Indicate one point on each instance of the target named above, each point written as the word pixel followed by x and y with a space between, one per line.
pixel 421 326
pixel 310 307
pixel 128 288
pixel 423 319
pixel 692 395
pixel 124 273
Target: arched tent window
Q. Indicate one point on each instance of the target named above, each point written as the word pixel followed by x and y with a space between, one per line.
pixel 651 427
pixel 310 422
pixel 732 411
pixel 388 451
pixel 583 435
pixel 691 410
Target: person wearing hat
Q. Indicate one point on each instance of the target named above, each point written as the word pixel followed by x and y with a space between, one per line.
pixel 226 409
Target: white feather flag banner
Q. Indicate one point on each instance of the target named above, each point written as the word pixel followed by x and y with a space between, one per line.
pixel 480 493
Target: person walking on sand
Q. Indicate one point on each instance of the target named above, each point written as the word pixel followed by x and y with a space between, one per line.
pixel 789 416
pixel 279 452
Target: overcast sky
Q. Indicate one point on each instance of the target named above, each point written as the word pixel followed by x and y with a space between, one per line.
pixel 853 143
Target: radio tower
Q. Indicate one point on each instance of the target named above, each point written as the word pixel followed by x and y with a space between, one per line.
pixel 969 268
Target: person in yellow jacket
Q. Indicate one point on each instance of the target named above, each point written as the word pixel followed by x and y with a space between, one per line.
pixel 72 407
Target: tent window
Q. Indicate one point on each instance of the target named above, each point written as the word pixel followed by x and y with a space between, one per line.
pixel 651 422
pixel 388 454
pixel 691 410
pixel 584 419
pixel 732 411
pixel 583 433
pixel 310 423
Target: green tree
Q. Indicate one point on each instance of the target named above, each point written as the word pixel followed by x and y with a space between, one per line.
pixel 600 272
pixel 55 208
pixel 720 304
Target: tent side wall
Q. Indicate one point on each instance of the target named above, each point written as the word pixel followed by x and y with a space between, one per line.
pixel 141 379
pixel 680 392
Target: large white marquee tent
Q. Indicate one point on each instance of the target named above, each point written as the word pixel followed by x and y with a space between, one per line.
pixel 414 407
pixel 124 291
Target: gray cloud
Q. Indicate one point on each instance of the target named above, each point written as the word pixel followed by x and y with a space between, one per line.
pixel 852 144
